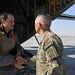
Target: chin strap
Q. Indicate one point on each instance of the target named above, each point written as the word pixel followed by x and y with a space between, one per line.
pixel 36 39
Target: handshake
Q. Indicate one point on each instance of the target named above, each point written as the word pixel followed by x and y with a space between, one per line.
pixel 20 59
pixel 19 62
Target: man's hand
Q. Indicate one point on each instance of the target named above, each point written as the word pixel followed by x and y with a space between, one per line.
pixel 20 62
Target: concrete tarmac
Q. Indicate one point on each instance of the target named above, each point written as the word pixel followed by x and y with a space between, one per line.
pixel 69 55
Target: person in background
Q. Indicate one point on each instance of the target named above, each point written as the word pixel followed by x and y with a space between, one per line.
pixel 10 49
pixel 50 56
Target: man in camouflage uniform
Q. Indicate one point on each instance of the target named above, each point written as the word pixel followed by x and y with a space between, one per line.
pixel 49 59
pixel 10 49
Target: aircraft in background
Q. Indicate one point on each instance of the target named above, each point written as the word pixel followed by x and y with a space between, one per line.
pixel 66 17
pixel 25 12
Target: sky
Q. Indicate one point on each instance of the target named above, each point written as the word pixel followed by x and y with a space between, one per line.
pixel 64 27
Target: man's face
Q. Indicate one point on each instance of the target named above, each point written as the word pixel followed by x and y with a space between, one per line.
pixel 37 27
pixel 9 22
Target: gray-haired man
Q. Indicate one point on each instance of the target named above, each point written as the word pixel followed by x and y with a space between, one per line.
pixel 49 59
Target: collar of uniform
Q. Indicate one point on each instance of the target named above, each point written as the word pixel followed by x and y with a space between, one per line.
pixel 44 35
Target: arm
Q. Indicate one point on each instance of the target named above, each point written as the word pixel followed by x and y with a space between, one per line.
pixel 31 60
pixel 51 55
pixel 6 60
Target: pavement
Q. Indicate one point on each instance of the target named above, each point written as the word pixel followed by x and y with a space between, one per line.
pixel 69 55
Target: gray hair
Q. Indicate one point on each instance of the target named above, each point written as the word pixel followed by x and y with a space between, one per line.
pixel 44 19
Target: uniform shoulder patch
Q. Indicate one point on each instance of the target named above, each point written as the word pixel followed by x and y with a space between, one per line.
pixel 52 53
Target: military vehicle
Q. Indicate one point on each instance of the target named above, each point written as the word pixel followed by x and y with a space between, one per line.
pixel 25 12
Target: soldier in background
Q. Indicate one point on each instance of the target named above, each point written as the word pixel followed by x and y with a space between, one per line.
pixel 50 56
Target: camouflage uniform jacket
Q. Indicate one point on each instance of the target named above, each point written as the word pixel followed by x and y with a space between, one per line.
pixel 8 43
pixel 50 59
